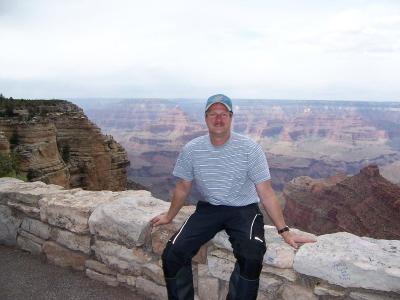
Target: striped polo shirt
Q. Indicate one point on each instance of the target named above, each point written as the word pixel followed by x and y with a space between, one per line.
pixel 227 174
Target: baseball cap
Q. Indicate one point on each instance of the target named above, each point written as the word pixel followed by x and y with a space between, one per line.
pixel 219 98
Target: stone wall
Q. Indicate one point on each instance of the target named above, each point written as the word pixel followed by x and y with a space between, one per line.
pixel 107 235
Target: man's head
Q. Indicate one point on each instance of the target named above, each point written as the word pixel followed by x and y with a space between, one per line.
pixel 219 116
pixel 219 98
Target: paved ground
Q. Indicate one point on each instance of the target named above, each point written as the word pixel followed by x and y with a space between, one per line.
pixel 24 276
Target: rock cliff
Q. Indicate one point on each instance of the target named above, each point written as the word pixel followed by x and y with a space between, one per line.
pixel 55 142
pixel 365 204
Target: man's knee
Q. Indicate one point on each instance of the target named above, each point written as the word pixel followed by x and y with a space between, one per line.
pixel 249 268
pixel 173 260
pixel 250 260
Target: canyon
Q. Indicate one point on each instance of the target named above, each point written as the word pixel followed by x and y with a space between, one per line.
pixel 300 138
pixel 54 142
pixel 365 204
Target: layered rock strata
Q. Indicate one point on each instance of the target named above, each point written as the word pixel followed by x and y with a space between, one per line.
pixel 55 142
pixel 365 204
pixel 107 235
pixel 300 138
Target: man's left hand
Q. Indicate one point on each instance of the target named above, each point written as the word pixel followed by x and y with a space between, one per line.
pixel 295 240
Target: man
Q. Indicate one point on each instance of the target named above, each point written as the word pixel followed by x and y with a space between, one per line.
pixel 231 172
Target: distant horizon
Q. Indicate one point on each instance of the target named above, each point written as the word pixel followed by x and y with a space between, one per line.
pixel 110 98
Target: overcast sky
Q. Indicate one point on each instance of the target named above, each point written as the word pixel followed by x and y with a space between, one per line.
pixel 286 49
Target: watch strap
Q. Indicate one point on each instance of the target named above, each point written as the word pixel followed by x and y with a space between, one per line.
pixel 282 230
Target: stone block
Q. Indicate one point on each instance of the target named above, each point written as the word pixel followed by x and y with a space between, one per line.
pixel 296 292
pixel 127 219
pixel 287 274
pixel 269 284
pixel 151 289
pixel 120 258
pixel 29 245
pixel 262 296
pixel 36 227
pixel 279 255
pixel 221 264
pixel 71 210
pixel 8 226
pixel 8 182
pixel 201 255
pixel 160 236
pixel 107 279
pixel 71 240
pixel 202 270
pixel 370 296
pixel 208 288
pixel 30 211
pixel 99 267
pixel 326 290
pixel 154 272
pixel 347 260
pixel 63 257
pixel 127 279
pixel 221 240
pixel 26 193
pixel 30 236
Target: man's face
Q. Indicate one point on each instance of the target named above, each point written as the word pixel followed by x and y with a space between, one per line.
pixel 218 120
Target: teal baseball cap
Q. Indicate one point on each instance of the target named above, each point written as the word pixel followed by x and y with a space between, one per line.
pixel 219 98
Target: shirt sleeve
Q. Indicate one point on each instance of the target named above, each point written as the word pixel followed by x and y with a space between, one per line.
pixel 258 165
pixel 184 165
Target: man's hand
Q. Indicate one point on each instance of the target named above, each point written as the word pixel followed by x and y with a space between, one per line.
pixel 161 219
pixel 182 190
pixel 295 240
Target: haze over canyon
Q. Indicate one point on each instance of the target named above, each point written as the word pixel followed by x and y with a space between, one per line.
pixel 300 138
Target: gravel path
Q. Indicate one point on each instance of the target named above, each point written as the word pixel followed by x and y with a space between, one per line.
pixel 24 276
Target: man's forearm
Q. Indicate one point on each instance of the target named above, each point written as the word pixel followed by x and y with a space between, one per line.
pixel 179 196
pixel 274 210
pixel 271 204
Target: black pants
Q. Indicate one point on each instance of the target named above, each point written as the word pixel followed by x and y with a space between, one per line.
pixel 245 228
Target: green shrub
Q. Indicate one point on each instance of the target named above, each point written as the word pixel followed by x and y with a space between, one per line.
pixel 9 166
pixel 6 165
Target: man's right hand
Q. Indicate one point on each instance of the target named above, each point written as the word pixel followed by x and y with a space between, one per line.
pixel 161 219
pixel 179 196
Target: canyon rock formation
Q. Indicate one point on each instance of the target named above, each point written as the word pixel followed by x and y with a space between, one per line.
pixel 300 138
pixel 55 142
pixel 365 204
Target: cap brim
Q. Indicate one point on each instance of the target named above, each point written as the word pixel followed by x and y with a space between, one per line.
pixel 211 104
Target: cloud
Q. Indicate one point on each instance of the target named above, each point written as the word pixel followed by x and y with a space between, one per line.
pixel 188 48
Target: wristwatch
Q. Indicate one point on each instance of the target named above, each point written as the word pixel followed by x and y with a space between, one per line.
pixel 286 228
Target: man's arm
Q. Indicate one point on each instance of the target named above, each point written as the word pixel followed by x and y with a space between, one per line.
pixel 272 207
pixel 181 192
